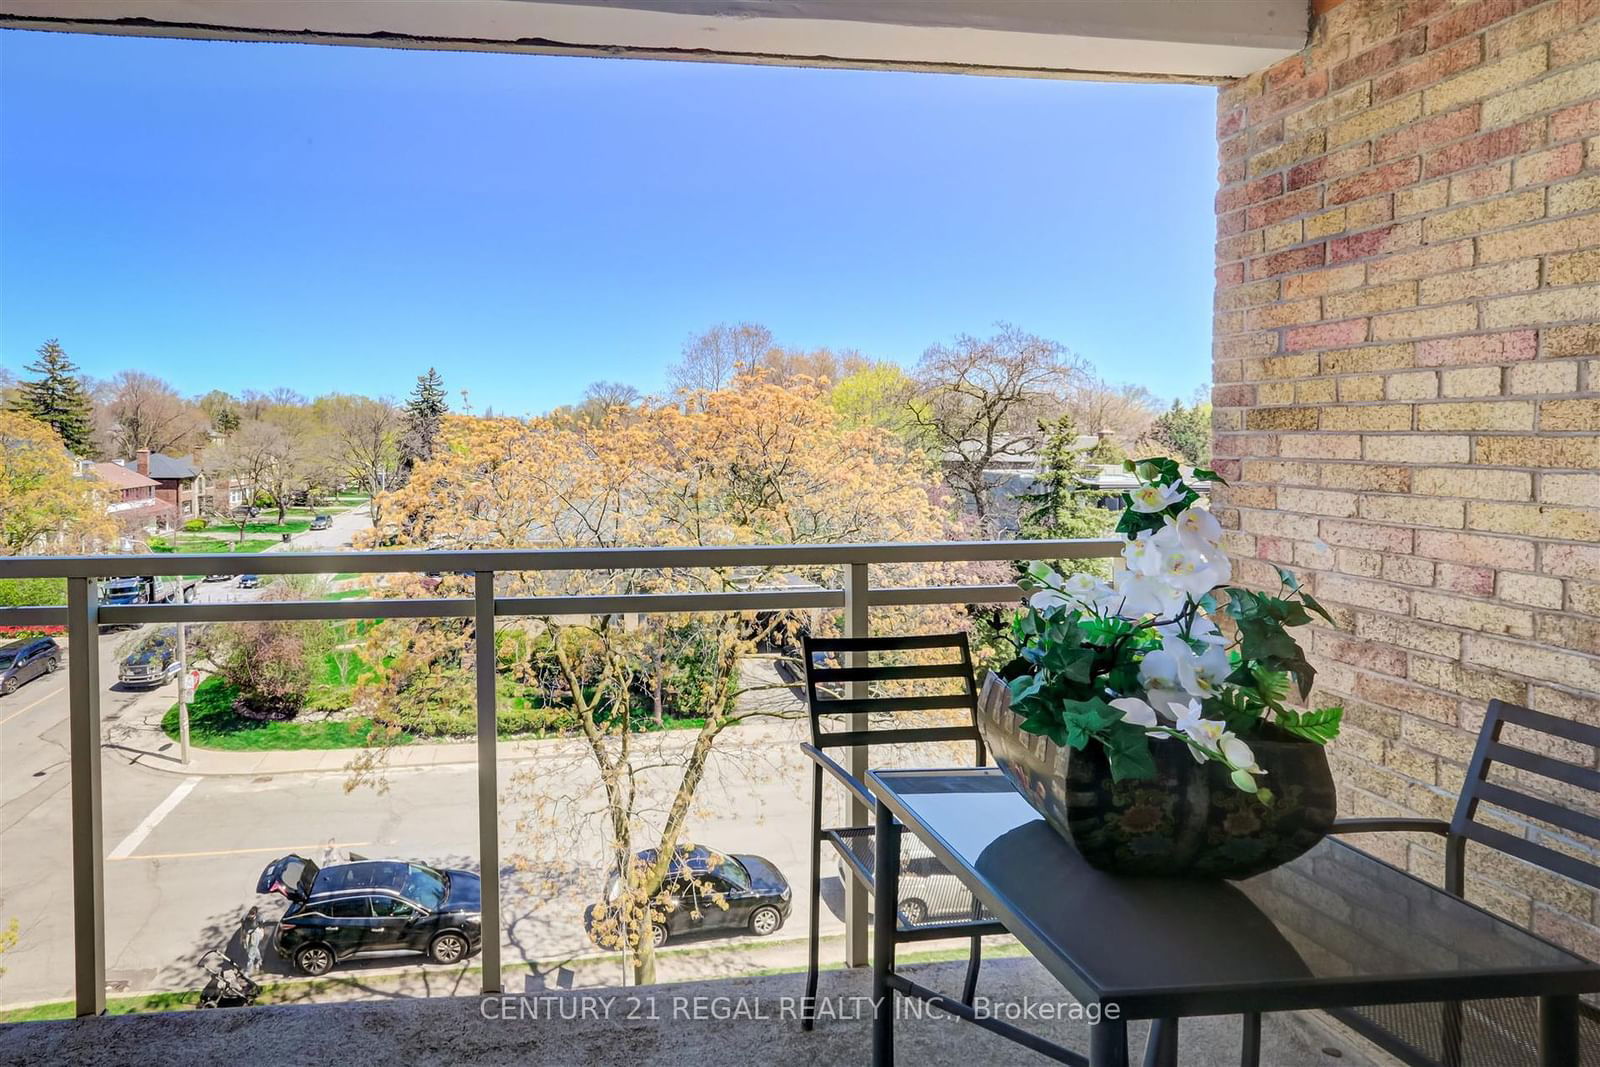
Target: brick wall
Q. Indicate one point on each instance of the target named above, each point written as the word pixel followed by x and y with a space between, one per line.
pixel 1407 384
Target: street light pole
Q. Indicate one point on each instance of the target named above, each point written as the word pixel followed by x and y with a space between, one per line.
pixel 183 695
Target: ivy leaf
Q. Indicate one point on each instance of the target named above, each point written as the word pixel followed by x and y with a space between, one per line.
pixel 1128 751
pixel 1311 602
pixel 1320 726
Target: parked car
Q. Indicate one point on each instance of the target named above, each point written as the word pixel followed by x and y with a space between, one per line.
pixel 701 880
pixel 26 659
pixel 369 906
pixel 927 889
pixel 249 581
pixel 153 661
pixel 322 522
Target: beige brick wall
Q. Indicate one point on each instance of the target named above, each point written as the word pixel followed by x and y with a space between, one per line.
pixel 1407 401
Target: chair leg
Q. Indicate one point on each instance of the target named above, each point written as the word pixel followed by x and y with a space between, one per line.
pixel 969 988
pixel 1161 1049
pixel 1250 1052
pixel 1450 1030
pixel 808 1006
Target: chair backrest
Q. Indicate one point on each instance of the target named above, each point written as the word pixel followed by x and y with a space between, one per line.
pixel 1578 780
pixel 837 699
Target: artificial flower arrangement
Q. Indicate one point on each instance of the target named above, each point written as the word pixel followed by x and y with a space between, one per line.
pixel 1140 661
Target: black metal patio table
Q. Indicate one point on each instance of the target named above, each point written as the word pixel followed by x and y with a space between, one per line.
pixel 1335 928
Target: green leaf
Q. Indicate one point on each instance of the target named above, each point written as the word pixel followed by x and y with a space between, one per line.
pixel 1311 602
pixel 1320 726
pixel 1286 576
pixel 1272 685
pixel 1128 751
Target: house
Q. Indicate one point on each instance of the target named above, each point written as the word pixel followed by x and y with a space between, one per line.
pixel 135 502
pixel 181 483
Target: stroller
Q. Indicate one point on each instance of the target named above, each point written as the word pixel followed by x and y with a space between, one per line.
pixel 229 986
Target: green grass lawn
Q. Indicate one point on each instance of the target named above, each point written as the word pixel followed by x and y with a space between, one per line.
pixel 348 594
pixel 204 543
pixel 213 724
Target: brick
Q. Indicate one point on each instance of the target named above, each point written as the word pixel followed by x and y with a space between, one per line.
pixel 1366 535
pixel 1571 197
pixel 1407 570
pixel 1325 335
pixel 1403 633
pixel 1324 224
pixel 1576 47
pixel 1369 301
pixel 1367 417
pixel 1579 120
pixel 1532 661
pixel 1444 739
pixel 1558 89
pixel 1413 699
pixel 1283 234
pixel 1321 282
pixel 1420 199
pixel 1560 235
pixel 1582 340
pixel 1414 511
pixel 1328 110
pixel 1485 148
pixel 1291 151
pixel 1476 415
pixel 1279 524
pixel 1362 594
pixel 1475 549
pixel 1333 165
pixel 1243 296
pixel 1317 502
pixel 1470 381
pixel 1426 322
pixel 1254 192
pixel 1546 306
pixel 1317 391
pixel 1479 218
pixel 1281 419
pixel 1474 581
pixel 1368 655
pixel 1270 394
pixel 1301 202
pixel 1584 598
pixel 1564 631
pixel 1433 66
pixel 1540 167
pixel 1581 490
pixel 1421 136
pixel 1468 18
pixel 1370 358
pixel 1573 268
pixel 1375 242
pixel 1366 476
pixel 1473 482
pixel 1573 453
pixel 1481 183
pixel 1386 178
pixel 1542 377
pixel 1298 366
pixel 1485 81
pixel 1516 276
pixel 1540 24
pixel 1320 446
pixel 1278 472
pixel 1422 385
pixel 1532 589
pixel 1417 448
pixel 1273 316
pixel 1473 614
pixel 1377 119
pixel 1508 347
pixel 1361 389
pixel 1417 264
pixel 1291 94
pixel 1288 262
pixel 1535 520
pixel 1377 59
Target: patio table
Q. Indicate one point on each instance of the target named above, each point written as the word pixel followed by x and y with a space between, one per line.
pixel 1335 928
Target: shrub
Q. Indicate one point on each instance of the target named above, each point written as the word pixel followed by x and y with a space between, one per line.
pixel 273 665
pixel 194 525
pixel 32 592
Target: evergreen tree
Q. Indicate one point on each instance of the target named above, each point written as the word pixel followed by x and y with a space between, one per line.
pixel 57 398
pixel 1185 432
pixel 1060 505
pixel 424 413
pixel 225 421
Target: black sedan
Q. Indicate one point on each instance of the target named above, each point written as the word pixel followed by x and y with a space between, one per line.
pixel 372 906
pixel 710 892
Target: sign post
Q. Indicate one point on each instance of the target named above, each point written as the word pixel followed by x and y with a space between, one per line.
pixel 187 680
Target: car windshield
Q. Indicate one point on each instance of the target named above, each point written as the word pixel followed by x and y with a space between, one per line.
pixel 426 886
pixel 732 871
pixel 7 659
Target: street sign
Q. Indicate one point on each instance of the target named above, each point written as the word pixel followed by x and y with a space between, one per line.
pixel 191 681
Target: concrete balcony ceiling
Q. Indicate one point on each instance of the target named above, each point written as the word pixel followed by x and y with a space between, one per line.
pixel 1164 40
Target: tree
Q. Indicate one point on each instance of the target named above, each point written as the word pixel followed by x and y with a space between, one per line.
pixel 425 410
pixel 1100 408
pixel 245 460
pixel 878 394
pixel 601 398
pixel 711 360
pixel 980 400
pixel 271 665
pixel 145 412
pixel 44 505
pixel 58 399
pixel 361 438
pixel 222 409
pixel 1185 432
pixel 754 463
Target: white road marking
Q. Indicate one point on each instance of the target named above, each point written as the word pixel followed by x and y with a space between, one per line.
pixel 30 707
pixel 161 811
pixel 281 849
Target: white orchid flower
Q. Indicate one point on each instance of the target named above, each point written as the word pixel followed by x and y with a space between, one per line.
pixel 1148 499
pixel 1238 754
pixel 1200 629
pixel 1135 711
pixel 1138 595
pixel 1197 527
pixel 1046 600
pixel 1186 473
pixel 1143 553
pixel 1158 673
pixel 1201 676
pixel 1086 590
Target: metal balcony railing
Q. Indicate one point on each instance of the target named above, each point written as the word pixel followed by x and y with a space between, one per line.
pixel 84 615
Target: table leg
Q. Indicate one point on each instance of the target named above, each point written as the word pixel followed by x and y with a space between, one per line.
pixel 1161 1050
pixel 1108 1043
pixel 1250 1047
pixel 885 901
pixel 1558 1031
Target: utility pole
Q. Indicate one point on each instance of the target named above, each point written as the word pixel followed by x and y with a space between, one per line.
pixel 183 695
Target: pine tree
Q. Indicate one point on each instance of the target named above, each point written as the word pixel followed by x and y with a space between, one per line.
pixel 57 398
pixel 424 413
pixel 1059 505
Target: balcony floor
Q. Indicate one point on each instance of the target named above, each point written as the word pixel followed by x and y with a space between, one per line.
pixel 450 1031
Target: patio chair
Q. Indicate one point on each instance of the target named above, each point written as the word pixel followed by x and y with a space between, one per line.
pixel 926 891
pixel 1505 1032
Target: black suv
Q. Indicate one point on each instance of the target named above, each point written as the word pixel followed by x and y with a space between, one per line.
pixel 349 909
pixel 24 660
pixel 702 880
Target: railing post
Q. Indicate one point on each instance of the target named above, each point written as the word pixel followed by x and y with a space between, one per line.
pixel 488 780
pixel 88 848
pixel 856 624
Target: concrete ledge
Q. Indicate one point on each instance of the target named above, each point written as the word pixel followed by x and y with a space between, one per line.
pixel 732 1021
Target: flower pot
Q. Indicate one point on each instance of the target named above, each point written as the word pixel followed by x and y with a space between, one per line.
pixel 1188 821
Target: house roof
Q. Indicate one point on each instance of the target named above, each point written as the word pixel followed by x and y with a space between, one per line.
pixel 165 466
pixel 120 477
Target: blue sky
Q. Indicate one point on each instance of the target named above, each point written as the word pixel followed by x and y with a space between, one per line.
pixel 254 215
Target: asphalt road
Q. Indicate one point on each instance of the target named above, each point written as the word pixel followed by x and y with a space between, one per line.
pixel 183 852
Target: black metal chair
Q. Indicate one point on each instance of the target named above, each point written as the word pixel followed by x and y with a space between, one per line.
pixel 830 690
pixel 1492 1033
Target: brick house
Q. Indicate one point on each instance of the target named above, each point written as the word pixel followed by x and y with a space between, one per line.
pixel 181 483
pixel 134 503
pixel 1407 388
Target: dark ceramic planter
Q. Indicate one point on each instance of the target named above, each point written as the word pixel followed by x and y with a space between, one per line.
pixel 1187 821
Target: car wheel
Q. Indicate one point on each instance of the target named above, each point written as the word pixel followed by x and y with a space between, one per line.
pixel 9 686
pixel 658 934
pixel 188 595
pixel 913 911
pixel 447 948
pixel 314 960
pixel 765 920
pixel 51 665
